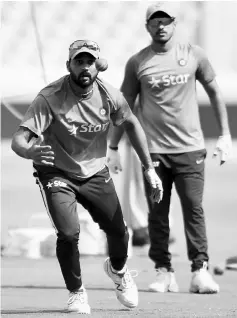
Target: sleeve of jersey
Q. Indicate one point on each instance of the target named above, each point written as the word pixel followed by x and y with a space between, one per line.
pixel 38 116
pixel 205 72
pixel 121 112
pixel 130 85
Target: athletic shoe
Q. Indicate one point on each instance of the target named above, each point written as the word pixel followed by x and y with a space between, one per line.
pixel 202 282
pixel 78 302
pixel 165 282
pixel 126 289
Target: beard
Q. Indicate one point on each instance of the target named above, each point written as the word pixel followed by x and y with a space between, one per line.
pixel 83 80
pixel 162 40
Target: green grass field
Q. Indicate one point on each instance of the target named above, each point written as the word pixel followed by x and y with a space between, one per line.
pixel 34 288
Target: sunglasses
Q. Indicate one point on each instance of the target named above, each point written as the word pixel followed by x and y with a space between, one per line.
pixel 154 23
pixel 84 43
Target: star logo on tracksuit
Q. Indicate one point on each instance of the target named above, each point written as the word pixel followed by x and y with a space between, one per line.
pixel 56 183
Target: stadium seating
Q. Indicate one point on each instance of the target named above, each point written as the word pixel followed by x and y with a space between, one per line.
pixel 47 28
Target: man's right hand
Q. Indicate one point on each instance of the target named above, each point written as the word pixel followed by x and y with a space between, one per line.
pixel 113 161
pixel 41 154
pixel 224 148
pixel 155 183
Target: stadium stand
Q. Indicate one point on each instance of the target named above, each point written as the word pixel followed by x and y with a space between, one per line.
pixel 36 36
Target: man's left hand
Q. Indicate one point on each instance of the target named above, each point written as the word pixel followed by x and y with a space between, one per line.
pixel 113 161
pixel 224 148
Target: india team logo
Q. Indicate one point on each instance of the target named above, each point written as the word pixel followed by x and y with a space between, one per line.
pixel 182 62
pixel 102 111
pixel 182 54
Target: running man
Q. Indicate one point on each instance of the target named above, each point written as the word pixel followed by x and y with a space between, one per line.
pixel 64 132
pixel 164 75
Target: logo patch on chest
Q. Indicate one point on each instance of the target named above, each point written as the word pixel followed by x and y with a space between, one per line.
pixel 102 111
pixel 182 62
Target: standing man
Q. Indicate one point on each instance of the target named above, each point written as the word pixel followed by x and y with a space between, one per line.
pixel 64 133
pixel 164 75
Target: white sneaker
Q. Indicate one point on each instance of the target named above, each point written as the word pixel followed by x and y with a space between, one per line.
pixel 202 282
pixel 126 289
pixel 165 282
pixel 78 302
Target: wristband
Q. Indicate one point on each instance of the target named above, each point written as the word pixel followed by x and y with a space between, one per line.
pixel 113 148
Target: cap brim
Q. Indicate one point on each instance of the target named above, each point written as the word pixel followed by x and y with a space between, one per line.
pixel 85 50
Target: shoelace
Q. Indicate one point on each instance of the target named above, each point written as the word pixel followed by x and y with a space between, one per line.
pixel 127 279
pixel 77 296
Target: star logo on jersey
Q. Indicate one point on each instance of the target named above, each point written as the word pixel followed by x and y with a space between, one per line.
pixel 169 80
pixel 154 82
pixel 73 130
pixel 49 185
pixel 102 112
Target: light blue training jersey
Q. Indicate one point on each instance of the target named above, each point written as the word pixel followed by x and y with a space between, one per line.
pixel 168 107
